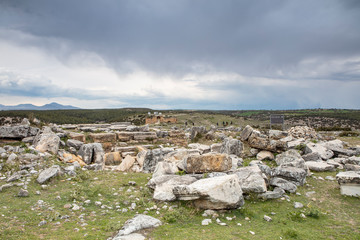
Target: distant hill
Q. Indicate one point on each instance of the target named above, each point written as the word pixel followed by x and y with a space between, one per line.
pixel 50 106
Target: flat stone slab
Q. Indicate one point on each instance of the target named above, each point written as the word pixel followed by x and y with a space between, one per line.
pixel 103 137
pixel 349 183
pixel 48 173
pixel 350 189
pixel 164 191
pixel 348 177
pixel 212 193
pixel 320 166
pixel 17 132
pixel 210 162
pixel 277 193
pixel 139 222
pixel 320 149
pixel 133 236
pixel 283 184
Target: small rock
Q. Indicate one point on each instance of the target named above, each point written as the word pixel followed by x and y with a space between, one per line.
pixel 48 173
pixel 132 183
pixel 298 205
pixel 67 206
pixel 309 194
pixel 11 158
pixel 208 212
pixel 330 178
pixel 267 218
pixel 42 223
pixel 23 193
pixel 206 222
pixel 76 207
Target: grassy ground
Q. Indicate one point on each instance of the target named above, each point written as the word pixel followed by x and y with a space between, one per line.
pixel 208 119
pixel 329 215
pixel 352 141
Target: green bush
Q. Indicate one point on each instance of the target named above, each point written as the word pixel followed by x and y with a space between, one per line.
pixel 176 215
pixel 313 213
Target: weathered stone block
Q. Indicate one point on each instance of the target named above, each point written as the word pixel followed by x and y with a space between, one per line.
pixel 210 162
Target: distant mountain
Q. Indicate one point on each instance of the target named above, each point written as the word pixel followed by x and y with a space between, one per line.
pixel 56 106
pixel 50 106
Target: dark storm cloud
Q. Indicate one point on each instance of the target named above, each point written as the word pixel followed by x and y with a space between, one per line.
pixel 255 38
pixel 277 54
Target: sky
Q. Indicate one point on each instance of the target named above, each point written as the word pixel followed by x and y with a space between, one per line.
pixel 181 54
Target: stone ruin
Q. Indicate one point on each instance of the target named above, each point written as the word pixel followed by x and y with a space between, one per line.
pixel 211 176
pixel 180 168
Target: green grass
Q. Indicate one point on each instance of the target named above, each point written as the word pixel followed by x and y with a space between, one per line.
pixel 353 141
pixel 20 222
pixel 329 216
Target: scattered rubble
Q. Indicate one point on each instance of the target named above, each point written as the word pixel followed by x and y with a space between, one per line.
pixel 211 176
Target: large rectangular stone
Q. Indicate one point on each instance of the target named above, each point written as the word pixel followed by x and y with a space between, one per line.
pixel 145 136
pixel 103 137
pixel 77 136
pixel 210 162
pixel 139 136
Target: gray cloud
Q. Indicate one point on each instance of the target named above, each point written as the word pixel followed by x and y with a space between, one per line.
pixel 243 36
pixel 13 84
pixel 268 39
